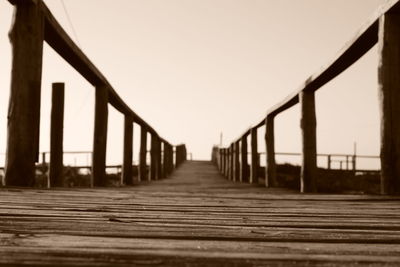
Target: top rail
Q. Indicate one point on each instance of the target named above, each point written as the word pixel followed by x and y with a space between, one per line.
pixel 60 41
pixel 382 28
pixel 23 147
pixel 352 51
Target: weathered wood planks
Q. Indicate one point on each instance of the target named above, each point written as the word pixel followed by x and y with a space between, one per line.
pixel 196 218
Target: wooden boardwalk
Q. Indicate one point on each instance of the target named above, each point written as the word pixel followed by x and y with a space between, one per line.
pixel 196 218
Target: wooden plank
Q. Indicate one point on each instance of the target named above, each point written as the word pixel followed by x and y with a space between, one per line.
pixel 199 216
pixel 127 172
pixel 270 169
pixel 100 137
pixel 243 160
pixel 57 135
pixel 308 174
pixel 26 37
pixel 389 97
pixel 142 154
pixel 254 157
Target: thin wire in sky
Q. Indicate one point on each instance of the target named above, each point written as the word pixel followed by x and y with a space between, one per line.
pixel 79 45
pixel 70 23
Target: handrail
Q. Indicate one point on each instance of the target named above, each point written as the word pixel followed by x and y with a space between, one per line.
pixel 28 43
pixel 361 43
pixel 383 28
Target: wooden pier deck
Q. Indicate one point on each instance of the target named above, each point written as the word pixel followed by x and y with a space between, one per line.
pixel 196 218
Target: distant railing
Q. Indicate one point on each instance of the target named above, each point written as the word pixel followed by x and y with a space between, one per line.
pixel 34 23
pixel 383 28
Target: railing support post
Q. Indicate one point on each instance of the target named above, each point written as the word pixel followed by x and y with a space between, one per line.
pixel 270 167
pixel 153 157
pixel 329 161
pixel 100 137
pixel 165 160
pixel 143 154
pixel 236 163
pixel 159 174
pixel 171 158
pixel 226 174
pixel 243 159
pixel 56 135
pixel 389 97
pixel 254 157
pixel 26 36
pixel 127 174
pixel 308 123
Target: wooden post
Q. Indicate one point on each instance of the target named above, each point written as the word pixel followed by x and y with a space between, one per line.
pixel 177 156
pixel 226 170
pixel 389 97
pixel 153 157
pixel 254 157
pixel 270 166
pixel 228 162
pixel 232 162
pixel 143 154
pixel 171 159
pixel 244 163
pixel 236 161
pixel 56 135
pixel 354 163
pixel 329 162
pixel 308 174
pixel 347 163
pixel 165 154
pixel 159 173
pixel 220 159
pixel 26 36
pixel 100 137
pixel 127 174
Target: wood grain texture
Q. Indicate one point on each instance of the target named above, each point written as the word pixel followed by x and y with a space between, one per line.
pixel 243 160
pixel 127 171
pixel 26 36
pixel 254 157
pixel 270 169
pixel 56 135
pixel 389 96
pixel 142 154
pixel 100 137
pixel 196 218
pixel 308 173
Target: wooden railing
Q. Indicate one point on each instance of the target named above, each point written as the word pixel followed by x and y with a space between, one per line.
pixel 382 29
pixel 34 23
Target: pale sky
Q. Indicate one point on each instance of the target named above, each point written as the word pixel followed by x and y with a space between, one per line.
pixel 195 68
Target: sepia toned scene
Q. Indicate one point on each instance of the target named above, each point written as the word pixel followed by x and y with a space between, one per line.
pixel 200 133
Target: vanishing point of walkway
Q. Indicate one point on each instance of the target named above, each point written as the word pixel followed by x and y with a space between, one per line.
pixel 196 218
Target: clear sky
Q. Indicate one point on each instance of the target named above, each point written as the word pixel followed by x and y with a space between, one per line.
pixel 195 68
